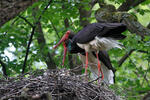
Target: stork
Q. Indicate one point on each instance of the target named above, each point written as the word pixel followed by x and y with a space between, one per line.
pixel 94 37
pixel 106 66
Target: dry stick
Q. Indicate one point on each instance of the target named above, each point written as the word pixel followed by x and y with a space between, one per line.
pixel 32 33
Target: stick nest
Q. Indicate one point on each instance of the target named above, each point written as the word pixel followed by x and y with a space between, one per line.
pixel 53 85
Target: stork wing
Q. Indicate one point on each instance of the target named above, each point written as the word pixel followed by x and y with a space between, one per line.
pixel 104 57
pixel 89 32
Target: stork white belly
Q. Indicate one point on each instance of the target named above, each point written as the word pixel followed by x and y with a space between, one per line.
pixel 100 43
pixel 108 74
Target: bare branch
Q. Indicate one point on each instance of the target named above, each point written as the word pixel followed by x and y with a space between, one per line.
pixel 129 4
pixel 122 60
pixel 32 33
pixel 142 51
pixel 26 20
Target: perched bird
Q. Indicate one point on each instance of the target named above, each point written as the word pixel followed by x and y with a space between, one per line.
pixel 94 37
pixel 106 66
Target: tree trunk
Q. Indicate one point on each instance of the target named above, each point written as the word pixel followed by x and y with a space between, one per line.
pixel 11 8
pixel 42 44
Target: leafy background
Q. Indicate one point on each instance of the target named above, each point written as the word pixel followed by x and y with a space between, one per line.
pixel 132 77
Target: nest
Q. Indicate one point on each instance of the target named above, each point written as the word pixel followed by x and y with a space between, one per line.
pixel 53 85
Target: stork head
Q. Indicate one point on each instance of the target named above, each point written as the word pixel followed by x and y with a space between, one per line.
pixel 63 40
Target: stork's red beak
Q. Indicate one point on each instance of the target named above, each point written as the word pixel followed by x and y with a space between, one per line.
pixel 63 39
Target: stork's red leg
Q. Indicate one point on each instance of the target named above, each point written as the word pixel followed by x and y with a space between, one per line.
pixel 99 67
pixel 65 51
pixel 86 63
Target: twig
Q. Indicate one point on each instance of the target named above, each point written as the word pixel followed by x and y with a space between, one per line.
pixel 94 80
pixel 26 20
pixel 122 60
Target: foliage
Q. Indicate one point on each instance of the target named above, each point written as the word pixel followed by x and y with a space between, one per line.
pixel 132 78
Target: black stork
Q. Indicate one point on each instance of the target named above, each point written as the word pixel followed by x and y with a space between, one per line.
pixel 106 66
pixel 94 37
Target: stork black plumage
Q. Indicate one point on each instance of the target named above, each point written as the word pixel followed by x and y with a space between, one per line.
pixel 106 66
pixel 95 37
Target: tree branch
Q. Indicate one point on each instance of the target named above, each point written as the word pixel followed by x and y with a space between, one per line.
pixel 11 8
pixel 129 4
pixel 3 68
pixel 26 20
pixel 122 60
pixel 108 14
pixel 32 33
pixel 42 44
pixel 85 14
pixel 27 51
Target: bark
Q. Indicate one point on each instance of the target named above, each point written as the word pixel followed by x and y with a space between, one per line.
pixel 11 8
pixel 42 44
pixel 129 4
pixel 109 14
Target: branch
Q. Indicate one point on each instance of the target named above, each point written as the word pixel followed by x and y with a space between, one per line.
pixel 142 51
pixel 122 60
pixel 11 8
pixel 32 33
pixel 129 4
pixel 3 68
pixel 50 1
pixel 106 14
pixel 42 44
pixel 27 51
pixel 85 14
pixel 26 20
